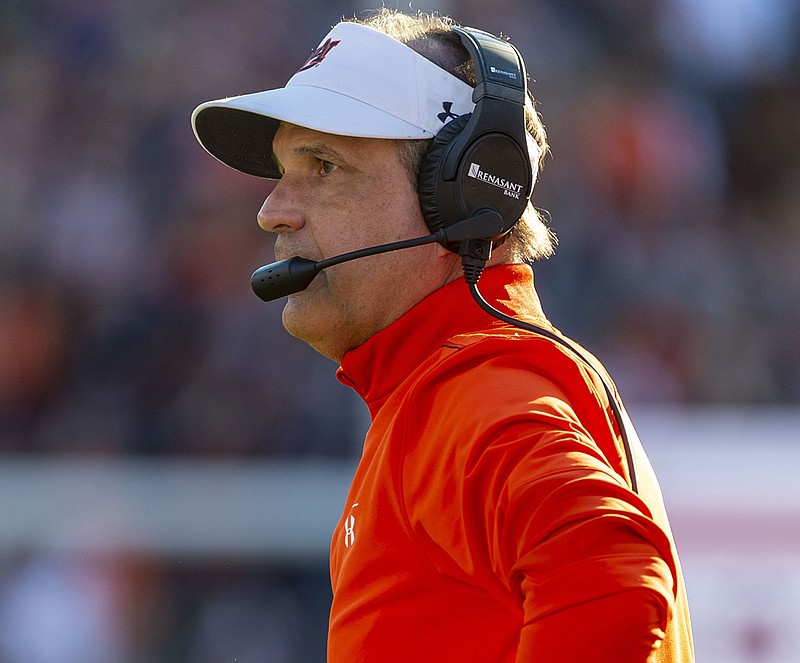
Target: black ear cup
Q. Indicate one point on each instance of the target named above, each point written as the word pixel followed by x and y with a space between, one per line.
pixel 461 175
pixel 428 185
pixel 479 162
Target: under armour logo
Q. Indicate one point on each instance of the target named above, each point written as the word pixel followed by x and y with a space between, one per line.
pixel 349 531
pixel 319 54
pixel 448 113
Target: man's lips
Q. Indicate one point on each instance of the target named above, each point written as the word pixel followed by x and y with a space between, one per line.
pixel 284 251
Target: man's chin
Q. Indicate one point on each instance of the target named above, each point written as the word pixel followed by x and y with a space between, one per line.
pixel 304 318
pixel 298 313
pixel 306 308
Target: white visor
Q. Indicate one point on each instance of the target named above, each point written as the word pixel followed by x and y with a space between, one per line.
pixel 357 82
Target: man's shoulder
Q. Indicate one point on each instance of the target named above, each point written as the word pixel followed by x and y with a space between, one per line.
pixel 500 372
pixel 501 355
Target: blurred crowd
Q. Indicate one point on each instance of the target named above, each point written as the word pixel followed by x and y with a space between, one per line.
pixel 127 325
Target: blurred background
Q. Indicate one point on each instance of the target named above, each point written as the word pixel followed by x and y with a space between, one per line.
pixel 172 463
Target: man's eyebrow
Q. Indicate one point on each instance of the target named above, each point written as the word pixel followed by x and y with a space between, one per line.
pixel 317 150
pixel 321 151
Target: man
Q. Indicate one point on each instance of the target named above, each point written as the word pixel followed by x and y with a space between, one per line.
pixel 503 509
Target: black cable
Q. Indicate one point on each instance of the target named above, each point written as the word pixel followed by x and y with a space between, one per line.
pixel 541 331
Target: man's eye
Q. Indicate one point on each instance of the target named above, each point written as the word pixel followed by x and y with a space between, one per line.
pixel 326 167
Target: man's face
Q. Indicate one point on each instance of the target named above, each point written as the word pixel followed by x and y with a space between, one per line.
pixel 339 194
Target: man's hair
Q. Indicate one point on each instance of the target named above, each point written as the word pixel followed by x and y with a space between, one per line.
pixel 431 36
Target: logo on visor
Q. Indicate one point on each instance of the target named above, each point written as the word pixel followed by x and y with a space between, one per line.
pixel 510 189
pixel 319 54
pixel 447 113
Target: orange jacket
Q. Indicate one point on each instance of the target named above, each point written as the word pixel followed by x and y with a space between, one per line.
pixel 490 518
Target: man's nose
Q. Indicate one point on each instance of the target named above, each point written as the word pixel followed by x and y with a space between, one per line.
pixel 281 212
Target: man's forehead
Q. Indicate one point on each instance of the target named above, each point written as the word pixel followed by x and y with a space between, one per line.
pixel 291 138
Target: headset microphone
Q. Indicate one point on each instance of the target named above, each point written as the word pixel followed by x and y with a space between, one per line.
pixel 287 277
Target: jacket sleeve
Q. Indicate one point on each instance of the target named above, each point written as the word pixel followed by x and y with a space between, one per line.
pixel 595 573
pixel 617 628
pixel 541 506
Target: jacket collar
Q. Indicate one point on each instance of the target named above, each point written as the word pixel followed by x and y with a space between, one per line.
pixel 378 366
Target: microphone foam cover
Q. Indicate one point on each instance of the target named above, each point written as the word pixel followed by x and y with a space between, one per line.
pixel 282 278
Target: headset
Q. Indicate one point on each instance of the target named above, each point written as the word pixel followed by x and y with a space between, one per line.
pixel 475 182
pixel 480 161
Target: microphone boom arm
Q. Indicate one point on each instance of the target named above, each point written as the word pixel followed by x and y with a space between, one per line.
pixel 375 250
pixel 287 277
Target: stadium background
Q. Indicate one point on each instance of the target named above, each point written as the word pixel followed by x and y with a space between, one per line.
pixel 172 462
